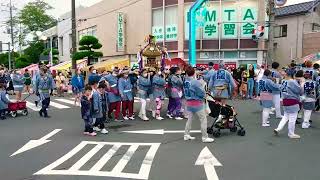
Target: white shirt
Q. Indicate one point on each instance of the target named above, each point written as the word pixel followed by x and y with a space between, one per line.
pixel 259 73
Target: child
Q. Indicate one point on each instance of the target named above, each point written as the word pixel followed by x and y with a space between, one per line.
pixel 309 98
pixel 114 95
pixel 4 101
pixel 104 97
pixel 125 88
pixel 266 86
pixel 96 108
pixel 86 113
pixel 291 91
pixel 144 84
pixel 276 76
pixel 159 84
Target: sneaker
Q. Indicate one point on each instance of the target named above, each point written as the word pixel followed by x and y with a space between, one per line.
pixel 144 118
pixel 125 118
pixel 265 125
pixel 294 136
pixel 159 118
pixel 178 118
pixel 117 120
pixel 207 140
pixel 131 118
pixel 92 134
pixel 276 132
pixel 104 131
pixel 154 114
pixel 96 129
pixel 305 125
pixel 188 137
pixel 86 133
pixel 169 116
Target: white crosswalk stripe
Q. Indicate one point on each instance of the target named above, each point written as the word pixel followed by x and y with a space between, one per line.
pixel 59 106
pixel 96 170
pixel 32 106
pixel 67 101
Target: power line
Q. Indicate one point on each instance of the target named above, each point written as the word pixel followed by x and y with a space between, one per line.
pixel 108 12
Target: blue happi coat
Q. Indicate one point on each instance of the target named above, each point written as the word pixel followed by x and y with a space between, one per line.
pixel 125 89
pixel 85 108
pixel 176 86
pixel 159 86
pixel 276 75
pixel 77 82
pixel 291 89
pixel 266 87
pixel 4 101
pixel 144 86
pixel 312 72
pixel 18 82
pixel 113 94
pixel 96 105
pixel 220 79
pixel 208 74
pixel 44 84
pixel 310 89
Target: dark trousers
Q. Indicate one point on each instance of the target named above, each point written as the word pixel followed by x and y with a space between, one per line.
pixel 115 106
pixel 45 104
pixel 127 106
pixel 99 123
pixel 3 113
pixel 175 108
pixel 88 126
pixel 318 105
pixel 170 104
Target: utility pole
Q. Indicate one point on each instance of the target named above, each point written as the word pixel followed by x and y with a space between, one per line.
pixel 74 34
pixel 272 14
pixel 12 41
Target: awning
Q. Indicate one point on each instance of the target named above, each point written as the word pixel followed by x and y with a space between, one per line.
pixel 109 64
pixel 67 65
pixel 32 67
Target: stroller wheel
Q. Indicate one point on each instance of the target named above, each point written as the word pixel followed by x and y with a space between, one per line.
pixel 233 129
pixel 14 114
pixel 242 132
pixel 209 130
pixel 216 134
pixel 25 112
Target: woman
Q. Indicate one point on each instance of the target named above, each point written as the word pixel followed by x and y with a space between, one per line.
pixel 77 83
pixel 125 90
pixel 176 94
pixel 144 84
pixel 60 82
pixel 27 80
pixel 18 84
pixel 250 80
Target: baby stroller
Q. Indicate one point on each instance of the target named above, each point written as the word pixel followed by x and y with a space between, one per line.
pixel 225 118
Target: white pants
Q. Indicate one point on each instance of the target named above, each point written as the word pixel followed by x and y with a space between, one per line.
pixel 292 118
pixel 265 115
pixel 276 102
pixel 203 120
pixel 306 117
pixel 143 107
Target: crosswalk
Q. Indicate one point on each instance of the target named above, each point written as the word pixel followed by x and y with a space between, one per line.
pixel 104 153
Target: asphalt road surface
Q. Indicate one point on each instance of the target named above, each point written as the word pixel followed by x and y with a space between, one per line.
pixel 157 155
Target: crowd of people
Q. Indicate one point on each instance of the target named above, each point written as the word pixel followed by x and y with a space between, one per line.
pixel 110 95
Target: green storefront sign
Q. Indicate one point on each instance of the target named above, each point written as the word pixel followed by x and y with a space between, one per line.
pixel 171 33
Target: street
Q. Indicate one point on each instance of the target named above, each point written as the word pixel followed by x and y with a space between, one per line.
pixel 155 155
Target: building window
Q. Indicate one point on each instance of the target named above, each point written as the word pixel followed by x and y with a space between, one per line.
pixel 61 46
pixel 230 54
pixel 91 31
pixel 280 31
pixel 171 20
pixel 315 27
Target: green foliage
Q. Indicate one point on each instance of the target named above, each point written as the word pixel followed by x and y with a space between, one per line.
pixel 55 54
pixel 4 58
pixel 87 46
pixel 34 51
pixel 34 17
pixel 22 62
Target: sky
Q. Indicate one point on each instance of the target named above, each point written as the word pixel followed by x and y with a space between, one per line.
pixel 61 7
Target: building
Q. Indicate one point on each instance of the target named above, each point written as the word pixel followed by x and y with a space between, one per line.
pixel 64 35
pixel 226 32
pixel 293 31
pixel 51 36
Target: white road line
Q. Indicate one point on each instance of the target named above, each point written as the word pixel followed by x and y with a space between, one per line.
pixel 59 106
pixel 86 157
pixel 52 133
pixel 67 101
pixel 32 106
pixel 125 159
pixel 147 162
pixel 105 158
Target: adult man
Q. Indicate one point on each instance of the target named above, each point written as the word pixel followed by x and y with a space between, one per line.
pixel 207 75
pixel 195 94
pixel 43 89
pixel 221 84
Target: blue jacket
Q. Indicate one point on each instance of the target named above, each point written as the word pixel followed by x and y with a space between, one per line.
pixel 208 74
pixel 44 84
pixel 17 80
pixel 266 86
pixel 159 86
pixel 310 89
pixel 144 86
pixel 125 89
pixel 4 101
pixel 219 79
pixel 193 90
pixel 176 86
pixel 113 94
pixel 275 74
pixel 96 105
pixel 85 108
pixel 93 78
pixel 77 82
pixel 291 89
pixel 312 72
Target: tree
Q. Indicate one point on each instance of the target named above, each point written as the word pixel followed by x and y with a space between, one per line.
pixel 86 50
pixel 55 55
pixel 22 62
pixel 4 58
pixel 34 17
pixel 34 51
